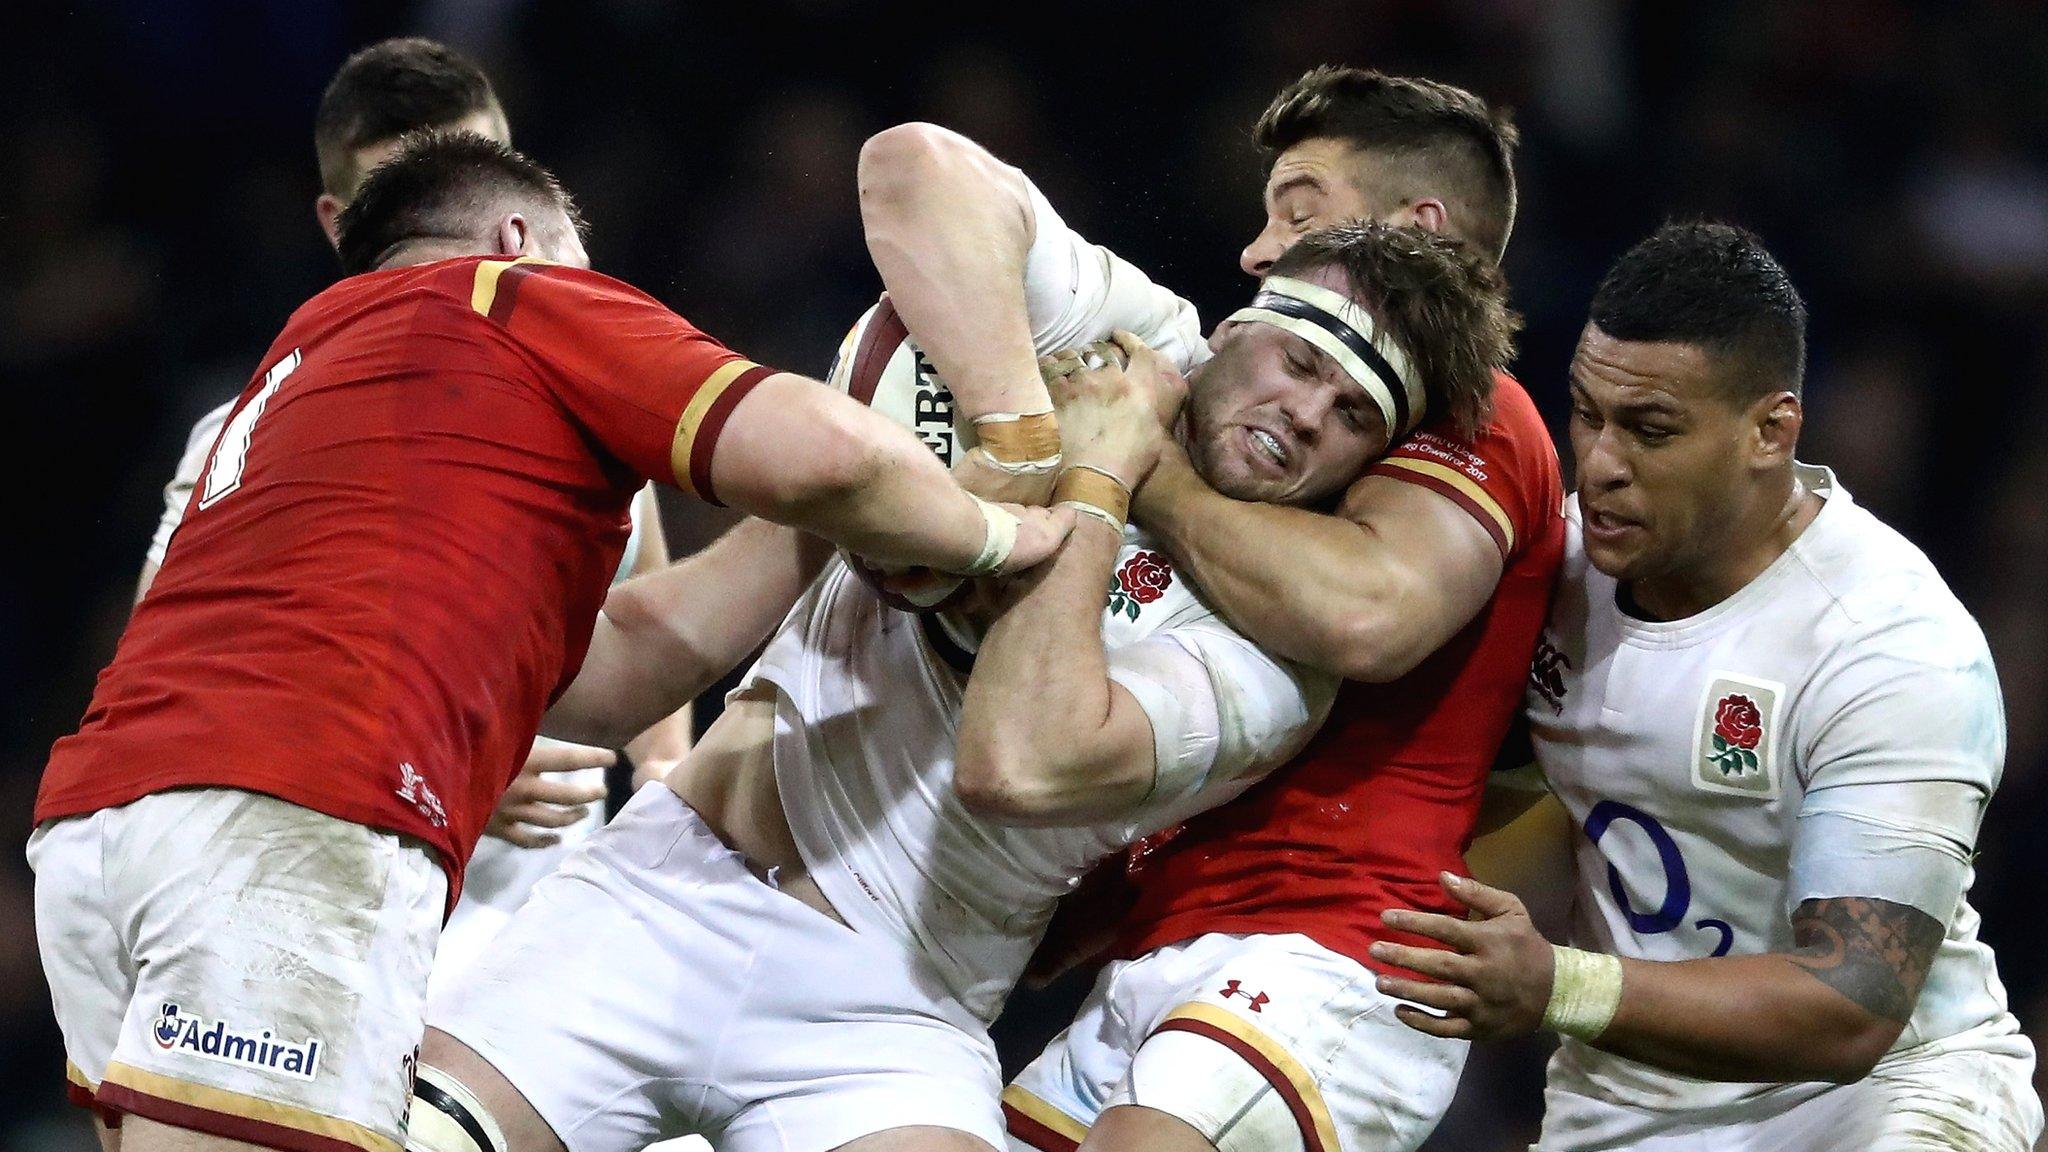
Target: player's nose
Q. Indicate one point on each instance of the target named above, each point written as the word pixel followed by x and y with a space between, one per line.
pixel 1258 256
pixel 1600 466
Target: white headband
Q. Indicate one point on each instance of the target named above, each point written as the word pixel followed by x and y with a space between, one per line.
pixel 1343 330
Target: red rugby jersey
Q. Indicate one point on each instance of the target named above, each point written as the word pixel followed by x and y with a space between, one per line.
pixel 398 550
pixel 1386 795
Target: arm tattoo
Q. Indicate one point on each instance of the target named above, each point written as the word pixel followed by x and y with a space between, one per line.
pixel 1874 952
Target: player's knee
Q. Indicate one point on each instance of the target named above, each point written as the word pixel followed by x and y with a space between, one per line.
pixel 447 1117
pixel 1211 1092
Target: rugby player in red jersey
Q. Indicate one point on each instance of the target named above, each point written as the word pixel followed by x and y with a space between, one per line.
pixel 394 561
pixel 377 96
pixel 1240 1012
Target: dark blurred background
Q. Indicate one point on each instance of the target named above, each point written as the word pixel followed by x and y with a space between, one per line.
pixel 156 228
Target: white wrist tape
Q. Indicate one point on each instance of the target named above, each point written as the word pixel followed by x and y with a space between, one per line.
pixel 996 546
pixel 1585 991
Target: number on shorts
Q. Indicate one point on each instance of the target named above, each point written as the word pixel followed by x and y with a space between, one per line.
pixel 231 453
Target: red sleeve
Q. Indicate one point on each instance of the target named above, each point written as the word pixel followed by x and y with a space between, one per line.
pixel 1507 477
pixel 640 379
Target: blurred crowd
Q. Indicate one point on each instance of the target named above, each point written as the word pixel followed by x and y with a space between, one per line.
pixel 158 183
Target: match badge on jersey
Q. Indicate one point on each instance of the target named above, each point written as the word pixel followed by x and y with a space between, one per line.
pixel 1735 737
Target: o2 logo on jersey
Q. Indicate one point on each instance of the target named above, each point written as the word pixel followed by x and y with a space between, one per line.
pixel 1668 916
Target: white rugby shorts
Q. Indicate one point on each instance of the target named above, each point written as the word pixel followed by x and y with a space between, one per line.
pixel 498 880
pixel 1972 1092
pixel 225 962
pixel 654 986
pixel 1265 1043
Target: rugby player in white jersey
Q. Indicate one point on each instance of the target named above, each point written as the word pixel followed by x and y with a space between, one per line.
pixel 1777 730
pixel 825 906
pixel 378 95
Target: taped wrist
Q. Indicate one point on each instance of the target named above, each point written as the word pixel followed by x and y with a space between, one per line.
pixel 1019 443
pixel 1094 492
pixel 996 545
pixel 447 1117
pixel 1585 991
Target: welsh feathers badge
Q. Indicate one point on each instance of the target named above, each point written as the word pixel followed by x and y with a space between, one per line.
pixel 1735 736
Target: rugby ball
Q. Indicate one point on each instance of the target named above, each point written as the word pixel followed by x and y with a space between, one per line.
pixel 879 365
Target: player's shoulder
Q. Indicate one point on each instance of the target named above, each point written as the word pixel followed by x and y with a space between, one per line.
pixel 1882 594
pixel 494 287
pixel 1507 475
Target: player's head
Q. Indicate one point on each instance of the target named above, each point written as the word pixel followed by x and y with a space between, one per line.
pixel 1685 400
pixel 1358 334
pixel 449 194
pixel 1352 144
pixel 383 92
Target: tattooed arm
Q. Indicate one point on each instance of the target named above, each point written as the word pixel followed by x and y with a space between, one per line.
pixel 1828 1010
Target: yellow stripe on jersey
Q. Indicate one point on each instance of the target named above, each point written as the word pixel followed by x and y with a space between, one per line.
pixel 483 292
pixel 1038 1109
pixel 234 1104
pixel 681 450
pixel 1464 484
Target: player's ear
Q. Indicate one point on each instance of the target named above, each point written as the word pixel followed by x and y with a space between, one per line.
pixel 1778 418
pixel 327 210
pixel 1430 215
pixel 515 235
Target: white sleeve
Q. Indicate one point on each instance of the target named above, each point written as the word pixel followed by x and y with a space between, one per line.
pixel 1222 711
pixel 1898 776
pixel 1076 293
pixel 178 493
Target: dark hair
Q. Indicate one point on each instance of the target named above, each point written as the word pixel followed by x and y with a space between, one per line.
pixel 387 90
pixel 1442 302
pixel 1716 286
pixel 1450 144
pixel 444 184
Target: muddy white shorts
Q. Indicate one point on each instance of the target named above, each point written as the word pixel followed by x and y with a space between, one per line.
pixel 1972 1092
pixel 232 964
pixel 654 986
pixel 1260 1043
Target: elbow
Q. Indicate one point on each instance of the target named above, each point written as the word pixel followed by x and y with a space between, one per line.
pixel 896 162
pixel 1369 647
pixel 839 461
pixel 1853 1049
pixel 1006 787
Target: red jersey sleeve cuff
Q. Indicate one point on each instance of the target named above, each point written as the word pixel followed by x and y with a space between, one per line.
pixel 1459 489
pixel 702 421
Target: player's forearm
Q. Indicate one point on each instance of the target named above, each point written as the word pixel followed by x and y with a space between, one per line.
pixel 1300 584
pixel 1743 1018
pixel 1039 738
pixel 949 229
pixel 667 636
pixel 798 453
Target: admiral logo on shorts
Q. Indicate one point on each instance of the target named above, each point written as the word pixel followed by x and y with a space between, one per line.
pixel 177 1031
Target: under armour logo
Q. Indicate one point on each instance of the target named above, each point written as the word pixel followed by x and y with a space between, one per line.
pixel 1235 988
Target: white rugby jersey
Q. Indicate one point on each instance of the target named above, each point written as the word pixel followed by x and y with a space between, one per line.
pixel 1818 734
pixel 869 702
pixel 867 719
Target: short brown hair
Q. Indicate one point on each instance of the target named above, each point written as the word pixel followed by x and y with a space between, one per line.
pixel 387 90
pixel 443 185
pixel 1442 302
pixel 1451 145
